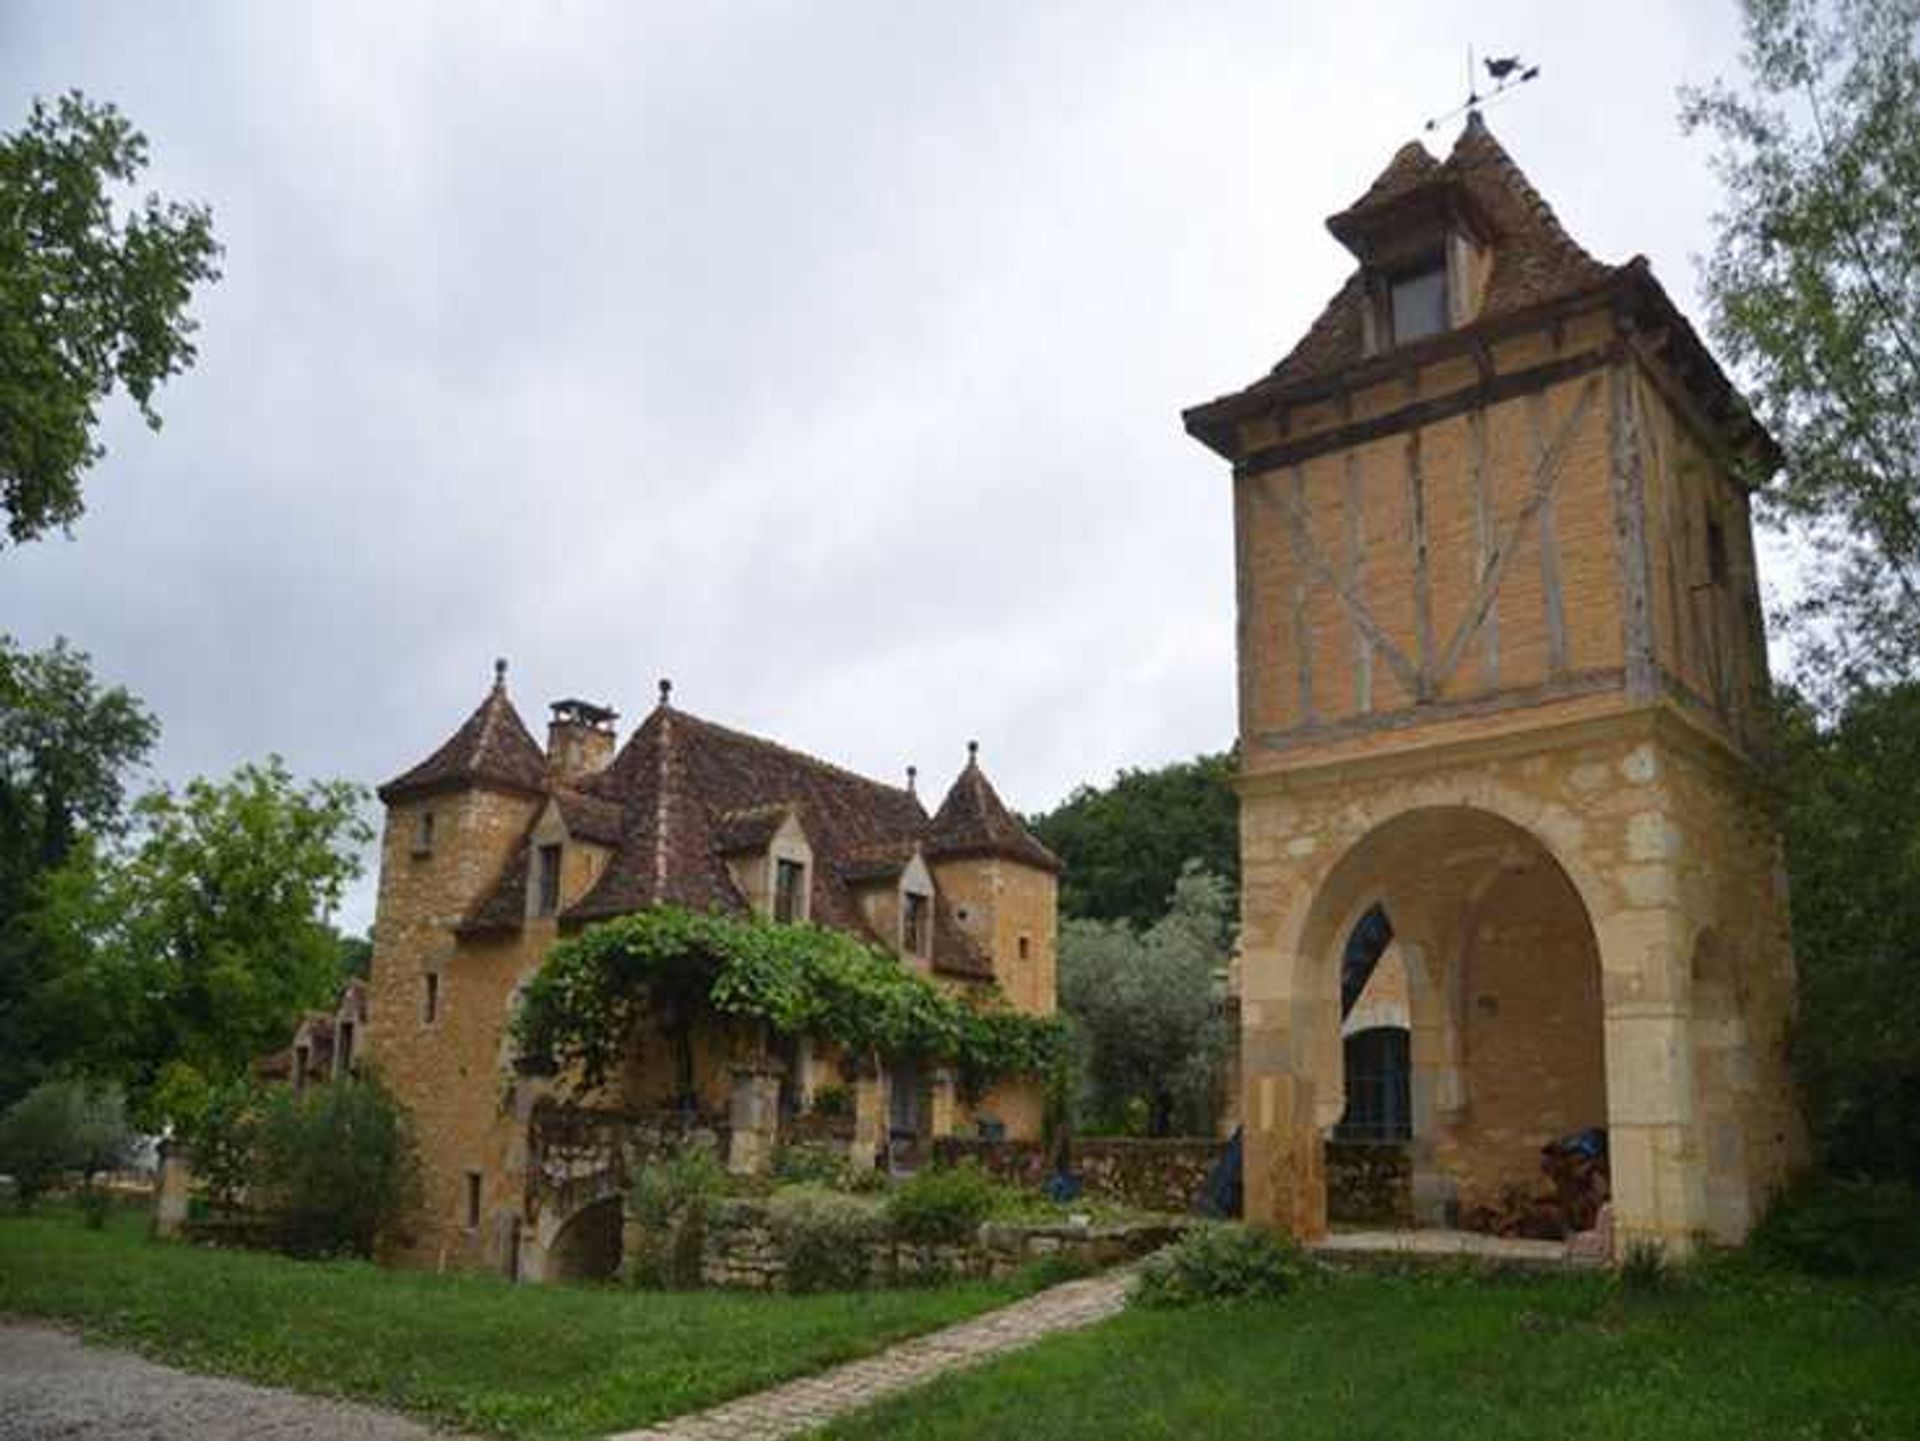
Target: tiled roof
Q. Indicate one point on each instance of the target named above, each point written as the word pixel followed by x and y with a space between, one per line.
pixel 1534 259
pixel 972 821
pixel 683 794
pixel 492 746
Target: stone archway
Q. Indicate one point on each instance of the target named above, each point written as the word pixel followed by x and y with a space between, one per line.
pixel 1504 1003
pixel 588 1244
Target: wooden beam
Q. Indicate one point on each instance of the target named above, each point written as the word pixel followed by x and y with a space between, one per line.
pixel 1483 543
pixel 1425 412
pixel 1422 580
pixel 1553 608
pixel 1630 534
pixel 1356 537
pixel 1299 539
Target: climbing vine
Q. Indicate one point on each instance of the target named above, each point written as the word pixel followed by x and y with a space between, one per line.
pixel 586 1005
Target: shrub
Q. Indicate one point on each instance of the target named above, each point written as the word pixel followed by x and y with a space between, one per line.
pixel 673 1195
pixel 1843 1228
pixel 337 1170
pixel 831 1101
pixel 814 1163
pixel 63 1128
pixel 1056 1269
pixel 823 1237
pixel 943 1206
pixel 1220 1263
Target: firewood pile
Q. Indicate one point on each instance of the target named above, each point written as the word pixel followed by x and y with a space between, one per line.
pixel 1574 1172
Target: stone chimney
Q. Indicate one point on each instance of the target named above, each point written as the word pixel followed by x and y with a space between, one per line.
pixel 579 738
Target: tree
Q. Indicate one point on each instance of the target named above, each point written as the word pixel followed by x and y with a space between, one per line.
pixel 63 1128
pixel 89 299
pixel 1853 846
pixel 1814 290
pixel 200 942
pixel 67 748
pixel 1125 844
pixel 1147 1007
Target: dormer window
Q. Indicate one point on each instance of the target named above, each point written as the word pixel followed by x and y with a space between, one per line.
pixel 916 924
pixel 1417 303
pixel 789 890
pixel 547 881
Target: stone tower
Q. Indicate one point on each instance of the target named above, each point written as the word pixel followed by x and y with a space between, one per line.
pixel 1501 671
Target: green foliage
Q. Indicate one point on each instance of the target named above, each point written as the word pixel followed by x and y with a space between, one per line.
pixel 1814 288
pixel 67 745
pixel 1056 1269
pixel 672 1197
pixel 1852 824
pixel 942 1206
pixel 1219 1263
pixel 336 1167
pixel 220 1124
pixel 831 1101
pixel 812 1163
pixel 586 1005
pixel 1126 845
pixel 823 1237
pixel 202 941
pixel 1147 1006
pixel 63 1129
pixel 1843 1228
pixel 91 299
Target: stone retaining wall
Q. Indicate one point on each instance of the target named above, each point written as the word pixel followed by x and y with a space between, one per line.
pixel 742 1250
pixel 1155 1174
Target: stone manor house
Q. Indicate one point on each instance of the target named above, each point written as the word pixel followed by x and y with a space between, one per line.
pixel 494 847
pixel 1501 678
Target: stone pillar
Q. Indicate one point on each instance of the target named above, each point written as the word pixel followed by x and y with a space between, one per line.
pixel 943 1104
pixel 1285 1160
pixel 1658 1179
pixel 173 1189
pixel 753 1118
pixel 870 1103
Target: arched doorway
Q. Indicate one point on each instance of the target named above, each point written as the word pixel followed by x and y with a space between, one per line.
pixel 588 1245
pixel 1504 1041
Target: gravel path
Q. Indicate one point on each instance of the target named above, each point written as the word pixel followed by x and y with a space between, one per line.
pixel 52 1385
pixel 812 1401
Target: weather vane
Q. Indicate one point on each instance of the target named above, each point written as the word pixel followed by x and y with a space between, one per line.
pixel 1508 72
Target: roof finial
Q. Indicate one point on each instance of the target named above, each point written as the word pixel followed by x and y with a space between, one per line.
pixel 500 673
pixel 666 690
pixel 913 780
pixel 973 752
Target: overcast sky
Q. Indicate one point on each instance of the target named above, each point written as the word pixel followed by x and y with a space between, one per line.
pixel 826 358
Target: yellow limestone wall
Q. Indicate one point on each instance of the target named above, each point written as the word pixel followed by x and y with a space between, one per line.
pixel 1491 630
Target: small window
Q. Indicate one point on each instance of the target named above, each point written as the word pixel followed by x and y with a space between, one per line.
pixel 916 930
pixel 789 890
pixel 1417 304
pixel 473 1200
pixel 547 898
pixel 430 1003
pixel 1026 947
pixel 343 1050
pixel 423 834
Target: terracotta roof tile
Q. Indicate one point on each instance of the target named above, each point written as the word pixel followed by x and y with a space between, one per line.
pixel 1534 259
pixel 492 746
pixel 973 821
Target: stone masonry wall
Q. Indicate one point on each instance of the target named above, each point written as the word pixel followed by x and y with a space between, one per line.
pixel 1153 1174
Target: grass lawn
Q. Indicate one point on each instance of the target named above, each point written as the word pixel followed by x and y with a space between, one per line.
pixel 469 1351
pixel 1735 1352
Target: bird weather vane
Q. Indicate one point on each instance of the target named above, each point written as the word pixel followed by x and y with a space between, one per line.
pixel 1508 73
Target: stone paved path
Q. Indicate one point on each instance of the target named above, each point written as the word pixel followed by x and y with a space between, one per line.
pixel 812 1401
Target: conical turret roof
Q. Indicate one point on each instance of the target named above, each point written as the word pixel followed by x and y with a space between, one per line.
pixel 973 821
pixel 492 747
